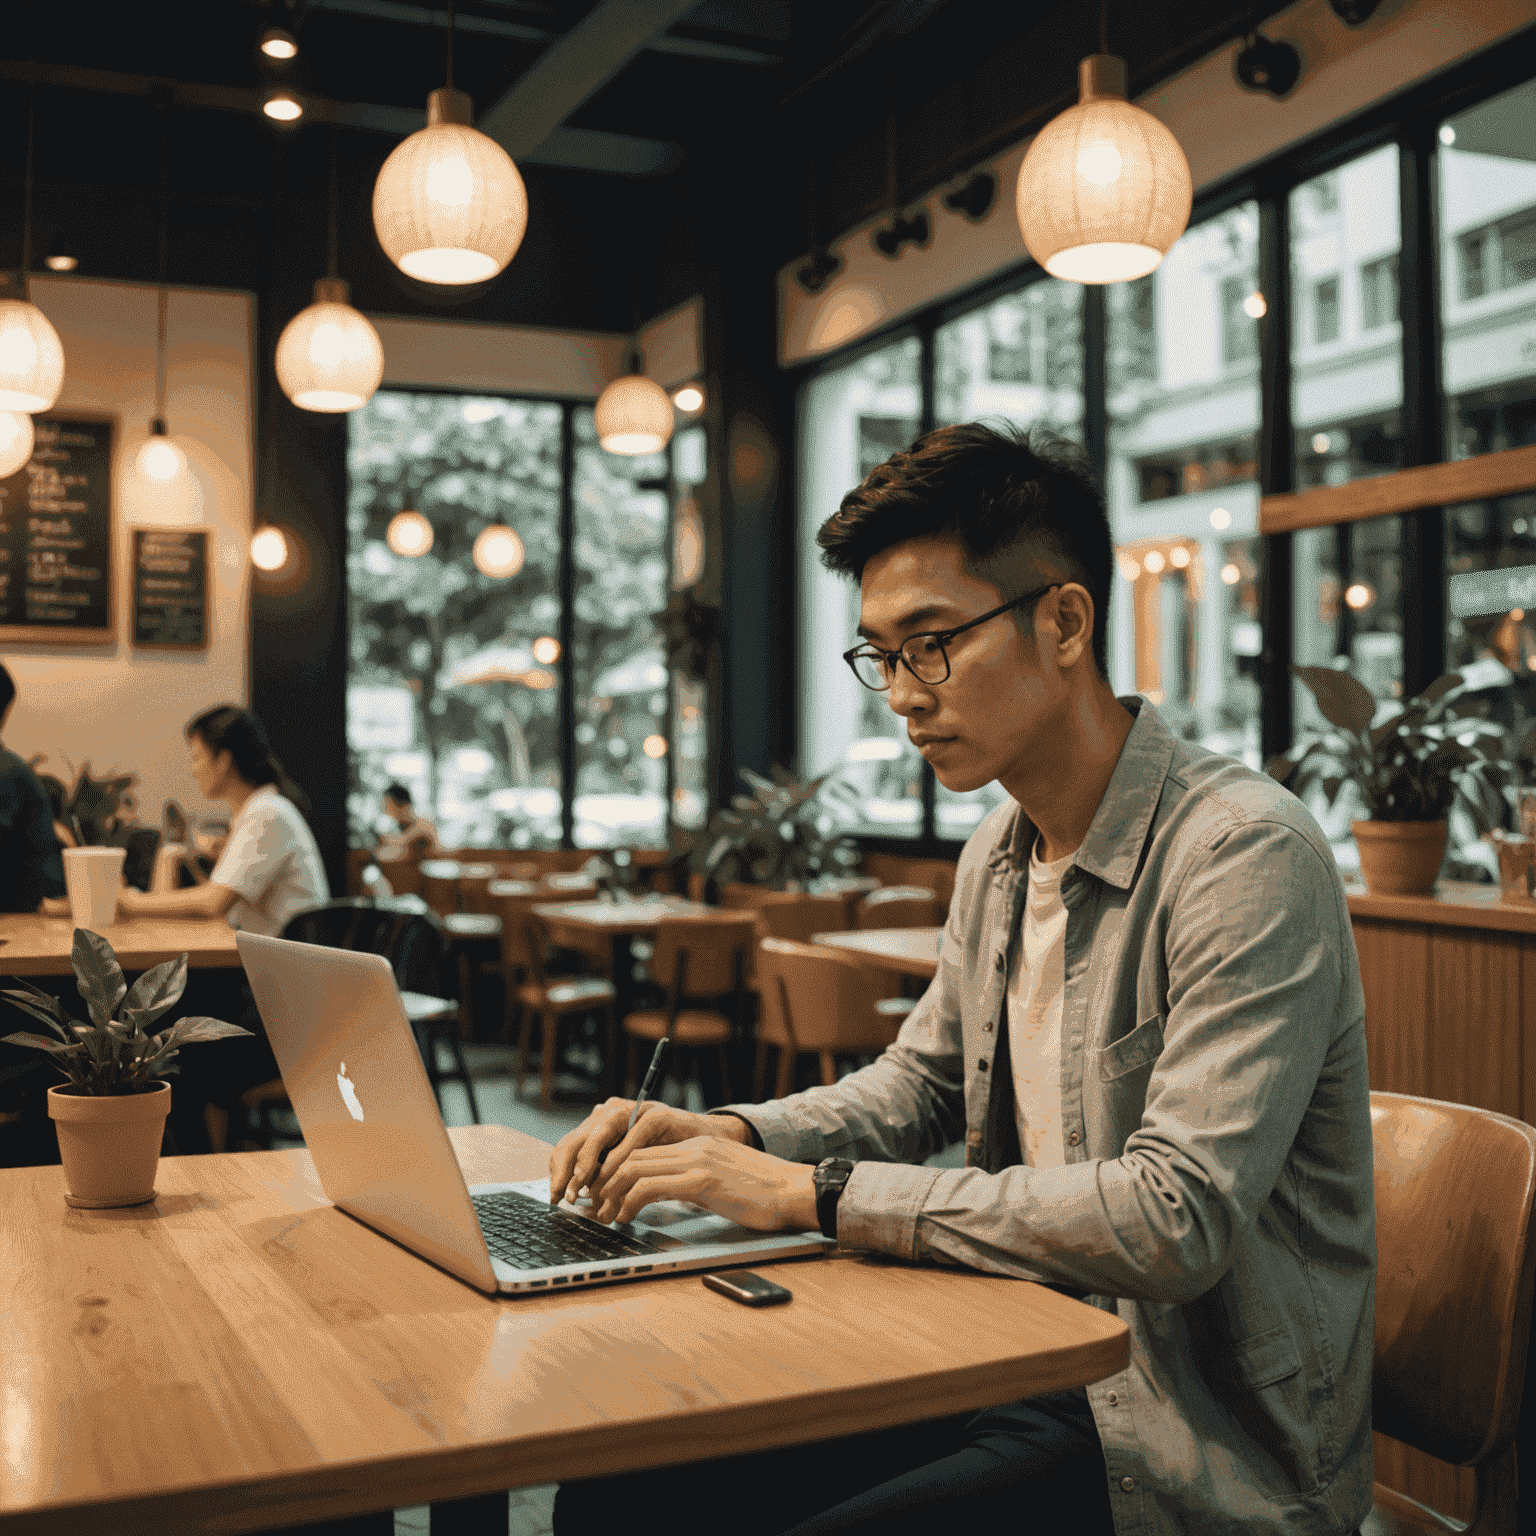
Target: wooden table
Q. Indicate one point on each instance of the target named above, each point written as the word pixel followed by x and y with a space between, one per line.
pixel 40 946
pixel 911 951
pixel 241 1354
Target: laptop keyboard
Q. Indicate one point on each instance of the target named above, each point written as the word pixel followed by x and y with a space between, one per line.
pixel 529 1234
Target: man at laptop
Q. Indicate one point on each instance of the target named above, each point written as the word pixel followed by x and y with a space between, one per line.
pixel 1148 1026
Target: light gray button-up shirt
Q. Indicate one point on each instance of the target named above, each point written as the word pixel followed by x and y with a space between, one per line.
pixel 1217 1192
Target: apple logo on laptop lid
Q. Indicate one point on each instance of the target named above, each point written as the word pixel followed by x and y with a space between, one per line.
pixel 349 1093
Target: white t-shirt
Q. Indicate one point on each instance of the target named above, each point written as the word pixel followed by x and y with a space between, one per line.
pixel 271 863
pixel 1035 990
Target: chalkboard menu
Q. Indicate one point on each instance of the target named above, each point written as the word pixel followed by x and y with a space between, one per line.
pixel 170 588
pixel 56 536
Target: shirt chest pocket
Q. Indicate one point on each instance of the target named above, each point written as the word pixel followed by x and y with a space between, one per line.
pixel 1134 1052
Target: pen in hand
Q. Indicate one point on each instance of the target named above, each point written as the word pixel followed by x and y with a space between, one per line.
pixel 650 1080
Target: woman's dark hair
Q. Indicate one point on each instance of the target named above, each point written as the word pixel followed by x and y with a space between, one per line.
pixel 398 793
pixel 1022 505
pixel 238 732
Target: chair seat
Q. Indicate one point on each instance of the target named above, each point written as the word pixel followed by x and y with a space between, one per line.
pixel 693 1026
pixel 420 1008
pixel 1395 1514
pixel 562 992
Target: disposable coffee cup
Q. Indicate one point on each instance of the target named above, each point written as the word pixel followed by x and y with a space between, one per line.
pixel 93 877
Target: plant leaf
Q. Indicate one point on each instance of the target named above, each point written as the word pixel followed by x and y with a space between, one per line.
pixel 158 991
pixel 1441 686
pixel 191 1031
pixel 57 1021
pixel 1345 701
pixel 1280 766
pixel 100 976
pixel 38 1043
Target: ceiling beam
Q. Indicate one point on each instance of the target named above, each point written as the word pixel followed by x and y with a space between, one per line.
pixel 571 69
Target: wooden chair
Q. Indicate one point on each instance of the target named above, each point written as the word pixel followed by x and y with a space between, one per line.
pixel 899 906
pixel 546 999
pixel 1455 1254
pixel 404 875
pixel 440 885
pixel 815 999
pixel 473 882
pixel 702 962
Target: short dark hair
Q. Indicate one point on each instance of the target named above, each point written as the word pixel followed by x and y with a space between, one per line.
pixel 7 690
pixel 1018 501
pixel 398 793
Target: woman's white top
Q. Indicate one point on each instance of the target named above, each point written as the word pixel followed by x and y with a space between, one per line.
pixel 271 863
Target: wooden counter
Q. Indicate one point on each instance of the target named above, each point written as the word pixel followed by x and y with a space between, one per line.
pixel 1455 904
pixel 40 946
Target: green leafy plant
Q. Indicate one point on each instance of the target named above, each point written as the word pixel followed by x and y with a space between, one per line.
pixel 114 1054
pixel 1415 765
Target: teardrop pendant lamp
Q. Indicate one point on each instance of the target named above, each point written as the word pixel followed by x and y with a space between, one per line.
pixel 329 358
pixel 161 459
pixel 449 205
pixel 633 414
pixel 1104 190
pixel 31 354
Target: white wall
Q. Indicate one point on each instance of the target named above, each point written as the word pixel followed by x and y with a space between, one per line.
pixel 113 705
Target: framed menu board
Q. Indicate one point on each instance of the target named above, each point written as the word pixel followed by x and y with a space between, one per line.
pixel 56 536
pixel 170 588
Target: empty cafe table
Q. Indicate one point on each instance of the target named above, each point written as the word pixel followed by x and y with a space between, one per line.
pixel 40 946
pixel 911 951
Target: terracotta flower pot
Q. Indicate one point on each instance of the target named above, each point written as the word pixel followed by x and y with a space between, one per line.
pixel 110 1146
pixel 1400 858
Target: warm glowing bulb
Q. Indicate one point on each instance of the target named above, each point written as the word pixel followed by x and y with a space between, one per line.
pixel 688 399
pixel 61 263
pixel 1359 595
pixel 31 358
pixel 1517 614
pixel 1447 135
pixel 1321 442
pixel 161 459
pixel 633 416
pixel 498 552
pixel 1130 569
pixel 16 441
pixel 1231 575
pixel 654 746
pixel 269 549
pixel 1178 557
pixel 283 107
pixel 409 533
pixel 1099 162
pixel 1254 306
pixel 546 649
pixel 277 44
pixel 1154 561
pixel 1221 518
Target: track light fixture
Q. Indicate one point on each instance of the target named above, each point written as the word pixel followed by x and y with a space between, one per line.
pixel 1354 13
pixel 975 198
pixel 818 270
pixel 1266 64
pixel 904 229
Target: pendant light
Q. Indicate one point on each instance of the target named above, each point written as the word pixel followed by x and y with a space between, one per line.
pixel 269 548
pixel 16 441
pixel 329 358
pixel 409 534
pixel 498 551
pixel 633 414
pixel 449 205
pixel 161 459
pixel 1105 190
pixel 31 355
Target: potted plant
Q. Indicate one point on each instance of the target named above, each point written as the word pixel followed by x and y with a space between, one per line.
pixel 1409 770
pixel 101 813
pixel 111 1113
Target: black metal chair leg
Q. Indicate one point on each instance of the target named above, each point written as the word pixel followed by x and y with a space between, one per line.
pixel 463 1075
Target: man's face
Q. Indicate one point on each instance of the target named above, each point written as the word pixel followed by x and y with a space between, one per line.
pixel 993 714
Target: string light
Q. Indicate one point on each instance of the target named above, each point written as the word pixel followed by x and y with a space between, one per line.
pixel 269 549
pixel 277 44
pixel 498 551
pixel 282 106
pixel 409 534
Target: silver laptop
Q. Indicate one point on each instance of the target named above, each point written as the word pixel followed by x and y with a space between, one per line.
pixel 357 1083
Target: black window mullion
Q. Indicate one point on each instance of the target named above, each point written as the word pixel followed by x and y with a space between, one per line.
pixel 1423 429
pixel 567 628
pixel 927 384
pixel 1276 467
pixel 1095 407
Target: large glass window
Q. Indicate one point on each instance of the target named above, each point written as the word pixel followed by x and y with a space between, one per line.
pixel 1182 392
pixel 852 419
pixel 456 672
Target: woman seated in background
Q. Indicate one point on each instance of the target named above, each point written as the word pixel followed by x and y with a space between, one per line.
pixel 268 872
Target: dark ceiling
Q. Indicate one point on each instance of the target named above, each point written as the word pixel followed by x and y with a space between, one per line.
pixel 759 122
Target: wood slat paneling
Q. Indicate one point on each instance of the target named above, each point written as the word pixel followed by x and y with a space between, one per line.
pixel 1475 1012
pixel 1450 1490
pixel 1394 970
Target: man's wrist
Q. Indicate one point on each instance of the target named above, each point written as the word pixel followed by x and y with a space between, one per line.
pixel 742 1130
pixel 797 1213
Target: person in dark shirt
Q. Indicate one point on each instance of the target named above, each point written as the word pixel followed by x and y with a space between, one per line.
pixel 31 866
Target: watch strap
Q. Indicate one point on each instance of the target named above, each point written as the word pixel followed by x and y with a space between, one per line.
pixel 829 1180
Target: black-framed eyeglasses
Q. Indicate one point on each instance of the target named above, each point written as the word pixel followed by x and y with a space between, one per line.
pixel 924 655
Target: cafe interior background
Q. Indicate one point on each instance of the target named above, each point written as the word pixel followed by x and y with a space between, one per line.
pixel 807 212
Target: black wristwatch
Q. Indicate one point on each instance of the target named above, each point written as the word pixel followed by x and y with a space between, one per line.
pixel 829 1178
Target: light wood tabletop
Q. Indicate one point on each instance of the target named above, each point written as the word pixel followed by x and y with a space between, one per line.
pixel 40 946
pixel 618 916
pixel 911 951
pixel 241 1354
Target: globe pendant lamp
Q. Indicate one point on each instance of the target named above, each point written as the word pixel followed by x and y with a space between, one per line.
pixel 449 205
pixel 16 441
pixel 329 358
pixel 269 549
pixel 31 355
pixel 409 534
pixel 633 414
pixel 1105 189
pixel 498 551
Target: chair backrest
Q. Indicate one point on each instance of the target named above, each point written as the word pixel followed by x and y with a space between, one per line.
pixel 522 939
pixel 711 944
pixel 737 896
pixel 1454 1269
pixel 899 906
pixel 410 941
pixel 404 875
pixel 827 999
pixel 791 915
pixel 473 880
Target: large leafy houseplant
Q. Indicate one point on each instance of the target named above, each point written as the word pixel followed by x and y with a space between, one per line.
pixel 114 1054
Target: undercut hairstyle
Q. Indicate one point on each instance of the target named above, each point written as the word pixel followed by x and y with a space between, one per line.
pixel 399 794
pixel 7 690
pixel 237 731
pixel 1021 503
